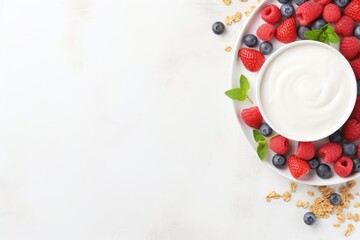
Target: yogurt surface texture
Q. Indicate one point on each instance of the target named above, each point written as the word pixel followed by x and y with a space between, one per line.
pixel 306 91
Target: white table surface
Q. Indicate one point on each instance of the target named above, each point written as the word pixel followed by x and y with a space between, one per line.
pixel 114 126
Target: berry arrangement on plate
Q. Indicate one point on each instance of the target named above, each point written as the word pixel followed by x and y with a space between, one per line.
pixel 336 23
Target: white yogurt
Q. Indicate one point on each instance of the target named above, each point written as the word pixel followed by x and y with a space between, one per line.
pixel 306 91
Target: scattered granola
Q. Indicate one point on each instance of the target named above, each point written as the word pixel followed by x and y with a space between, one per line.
pixel 303 204
pixel 236 17
pixel 321 206
pixel 228 49
pixel 227 2
pixel 251 9
pixel 337 225
pixel 286 196
pixel 310 193
pixel 228 20
pixel 349 229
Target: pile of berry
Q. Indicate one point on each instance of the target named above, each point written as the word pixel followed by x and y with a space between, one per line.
pixel 286 24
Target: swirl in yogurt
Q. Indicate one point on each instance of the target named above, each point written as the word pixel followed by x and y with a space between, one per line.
pixel 306 91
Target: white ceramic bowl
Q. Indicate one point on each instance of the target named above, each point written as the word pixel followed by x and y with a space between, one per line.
pixel 306 91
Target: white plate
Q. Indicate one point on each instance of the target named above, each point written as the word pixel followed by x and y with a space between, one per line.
pixel 238 68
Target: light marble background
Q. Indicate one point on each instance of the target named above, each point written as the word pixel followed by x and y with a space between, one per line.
pixel 114 126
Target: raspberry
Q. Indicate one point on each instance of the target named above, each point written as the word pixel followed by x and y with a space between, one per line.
pixel 297 166
pixel 343 166
pixel 331 13
pixel 252 117
pixel 345 26
pixel 306 150
pixel 279 145
pixel 251 58
pixel 351 130
pixel 308 12
pixel 323 2
pixel 349 47
pixel 355 65
pixel 353 10
pixel 330 152
pixel 266 32
pixel 356 111
pixel 271 14
pixel 286 31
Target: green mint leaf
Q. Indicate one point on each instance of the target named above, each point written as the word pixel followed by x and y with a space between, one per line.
pixel 313 35
pixel 325 27
pixel 244 87
pixel 235 94
pixel 258 137
pixel 244 83
pixel 333 37
pixel 324 38
pixel 261 150
pixel 328 29
pixel 241 93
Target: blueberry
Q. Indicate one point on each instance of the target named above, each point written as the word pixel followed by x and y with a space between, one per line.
pixel 287 10
pixel 278 161
pixel 357 31
pixel 314 162
pixel 266 48
pixel 284 1
pixel 341 3
pixel 356 165
pixel 250 40
pixel 265 129
pixel 335 199
pixel 309 218
pixel 358 87
pixel 318 23
pixel 218 28
pixel 301 31
pixel 336 137
pixel 349 148
pixel 323 171
pixel 299 2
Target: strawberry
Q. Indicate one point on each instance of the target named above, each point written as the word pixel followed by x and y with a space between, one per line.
pixel 297 166
pixel 356 111
pixel 306 150
pixel 308 12
pixel 353 10
pixel 323 2
pixel 345 26
pixel 279 144
pixel 349 47
pixel 251 58
pixel 343 166
pixel 331 13
pixel 286 31
pixel 265 32
pixel 252 117
pixel 351 130
pixel 271 14
pixel 330 152
pixel 355 65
